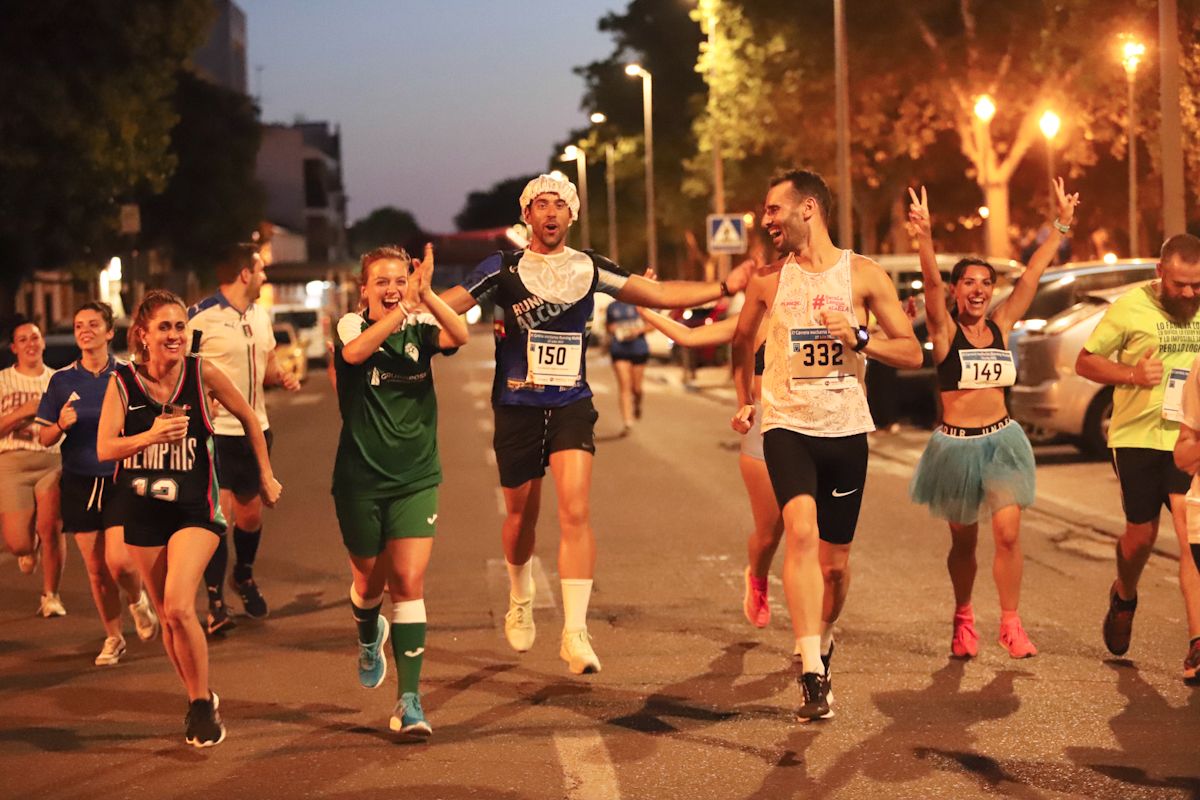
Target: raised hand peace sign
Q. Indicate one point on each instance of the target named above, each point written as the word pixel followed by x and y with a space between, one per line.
pixel 1066 202
pixel 919 224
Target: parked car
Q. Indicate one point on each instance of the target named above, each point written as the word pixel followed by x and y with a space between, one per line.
pixel 289 352
pixel 312 324
pixel 1059 289
pixel 905 270
pixel 1048 394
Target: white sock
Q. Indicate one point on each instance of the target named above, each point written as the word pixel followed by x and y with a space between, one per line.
pixel 826 637
pixel 576 593
pixel 809 648
pixel 520 580
pixel 364 602
pixel 408 611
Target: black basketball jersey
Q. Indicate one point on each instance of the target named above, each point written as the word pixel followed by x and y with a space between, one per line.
pixel 183 471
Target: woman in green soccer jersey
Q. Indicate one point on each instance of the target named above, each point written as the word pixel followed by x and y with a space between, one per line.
pixel 387 470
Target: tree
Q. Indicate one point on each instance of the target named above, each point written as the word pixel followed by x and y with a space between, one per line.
pixel 386 225
pixel 212 200
pixel 498 206
pixel 86 91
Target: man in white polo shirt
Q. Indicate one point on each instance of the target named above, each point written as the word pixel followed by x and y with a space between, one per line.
pixel 232 331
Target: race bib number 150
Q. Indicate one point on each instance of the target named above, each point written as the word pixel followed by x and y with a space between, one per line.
pixel 554 358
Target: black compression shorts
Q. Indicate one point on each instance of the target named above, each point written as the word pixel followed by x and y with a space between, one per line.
pixel 831 470
pixel 237 468
pixel 151 523
pixel 526 436
pixel 90 503
pixel 1148 478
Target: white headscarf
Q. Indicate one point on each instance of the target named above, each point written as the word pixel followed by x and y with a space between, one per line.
pixel 546 184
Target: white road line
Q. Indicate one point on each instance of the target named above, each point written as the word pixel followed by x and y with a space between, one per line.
pixel 588 772
pixel 485 424
pixel 303 400
pixel 490 456
pixel 480 404
pixel 501 506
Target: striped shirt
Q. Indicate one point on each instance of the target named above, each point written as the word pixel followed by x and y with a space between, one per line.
pixel 15 391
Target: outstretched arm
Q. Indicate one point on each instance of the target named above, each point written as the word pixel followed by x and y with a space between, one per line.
pixel 743 352
pixel 1016 304
pixel 681 294
pixel 704 336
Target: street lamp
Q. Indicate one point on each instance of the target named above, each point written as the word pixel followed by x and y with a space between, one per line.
pixel 610 182
pixel 636 70
pixel 577 154
pixel 985 110
pixel 1131 56
pixel 1050 124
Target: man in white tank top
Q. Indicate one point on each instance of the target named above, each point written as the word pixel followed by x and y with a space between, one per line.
pixel 816 299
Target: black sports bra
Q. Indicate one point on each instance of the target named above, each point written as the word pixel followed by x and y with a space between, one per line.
pixel 949 371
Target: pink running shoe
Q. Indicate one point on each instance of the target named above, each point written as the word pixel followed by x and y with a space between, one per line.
pixel 754 605
pixel 965 641
pixel 1013 637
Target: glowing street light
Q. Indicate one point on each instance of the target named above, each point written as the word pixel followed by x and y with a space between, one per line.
pixel 610 181
pixel 598 118
pixel 985 108
pixel 636 71
pixel 1131 55
pixel 577 154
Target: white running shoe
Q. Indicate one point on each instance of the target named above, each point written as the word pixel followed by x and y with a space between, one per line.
pixel 578 653
pixel 518 624
pixel 27 564
pixel 144 618
pixel 52 606
pixel 114 648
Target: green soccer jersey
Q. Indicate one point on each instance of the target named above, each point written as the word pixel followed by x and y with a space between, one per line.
pixel 388 444
pixel 1136 324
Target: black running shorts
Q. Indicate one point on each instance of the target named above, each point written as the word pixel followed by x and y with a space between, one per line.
pixel 151 523
pixel 237 468
pixel 525 437
pixel 90 503
pixel 831 470
pixel 1148 478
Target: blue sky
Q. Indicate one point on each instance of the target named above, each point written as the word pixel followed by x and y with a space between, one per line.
pixel 435 98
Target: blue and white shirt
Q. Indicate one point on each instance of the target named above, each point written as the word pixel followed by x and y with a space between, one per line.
pixel 239 343
pixel 546 304
pixel 78 384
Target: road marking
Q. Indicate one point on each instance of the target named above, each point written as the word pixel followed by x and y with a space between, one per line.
pixel 489 455
pixel 480 404
pixel 497 575
pixel 501 506
pixel 304 399
pixel 588 772
pixel 484 423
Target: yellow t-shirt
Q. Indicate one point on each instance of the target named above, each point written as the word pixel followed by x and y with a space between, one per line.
pixel 1134 324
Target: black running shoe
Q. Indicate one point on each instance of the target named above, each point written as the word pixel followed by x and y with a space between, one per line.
pixel 1118 622
pixel 816 703
pixel 204 726
pixel 219 620
pixel 252 599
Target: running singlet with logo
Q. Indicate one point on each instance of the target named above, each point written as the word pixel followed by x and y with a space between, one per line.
pixel 1137 323
pixel 182 471
pixel 388 444
pixel 812 383
pixel 546 303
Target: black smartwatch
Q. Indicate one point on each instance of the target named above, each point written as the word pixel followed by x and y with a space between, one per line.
pixel 861 337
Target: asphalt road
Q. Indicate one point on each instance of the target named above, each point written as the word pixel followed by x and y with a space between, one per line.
pixel 691 702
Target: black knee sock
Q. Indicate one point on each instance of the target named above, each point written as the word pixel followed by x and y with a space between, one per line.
pixel 245 547
pixel 367 620
pixel 214 573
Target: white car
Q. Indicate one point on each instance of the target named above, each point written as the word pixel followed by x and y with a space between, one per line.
pixel 312 324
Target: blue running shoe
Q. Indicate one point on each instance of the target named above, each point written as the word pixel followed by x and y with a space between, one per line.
pixel 408 719
pixel 372 659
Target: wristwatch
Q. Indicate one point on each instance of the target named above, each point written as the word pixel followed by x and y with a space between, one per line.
pixel 861 337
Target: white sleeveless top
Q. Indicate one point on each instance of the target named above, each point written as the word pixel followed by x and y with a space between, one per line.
pixel 813 384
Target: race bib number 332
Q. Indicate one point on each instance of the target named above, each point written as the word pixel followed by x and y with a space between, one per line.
pixel 554 358
pixel 818 360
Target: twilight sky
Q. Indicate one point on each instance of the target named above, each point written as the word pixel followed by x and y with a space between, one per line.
pixel 435 98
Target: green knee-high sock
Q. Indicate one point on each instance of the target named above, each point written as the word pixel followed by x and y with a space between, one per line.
pixel 408 642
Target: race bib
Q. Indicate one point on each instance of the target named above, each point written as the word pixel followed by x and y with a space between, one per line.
pixel 1172 406
pixel 819 361
pixel 554 358
pixel 627 330
pixel 990 368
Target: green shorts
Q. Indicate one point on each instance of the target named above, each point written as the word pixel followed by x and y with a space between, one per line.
pixel 368 523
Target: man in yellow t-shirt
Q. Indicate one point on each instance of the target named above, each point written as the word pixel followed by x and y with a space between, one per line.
pixel 1145 347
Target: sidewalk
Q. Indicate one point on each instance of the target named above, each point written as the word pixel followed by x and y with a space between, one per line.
pixel 1079 496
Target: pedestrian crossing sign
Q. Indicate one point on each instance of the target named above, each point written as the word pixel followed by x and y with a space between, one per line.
pixel 726 234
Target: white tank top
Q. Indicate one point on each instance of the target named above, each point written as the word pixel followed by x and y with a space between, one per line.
pixel 813 384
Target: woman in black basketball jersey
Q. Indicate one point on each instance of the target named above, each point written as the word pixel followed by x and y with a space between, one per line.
pixel 155 422
pixel 979 455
